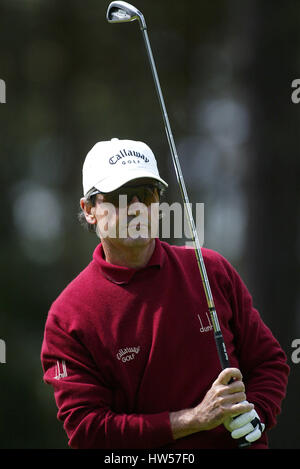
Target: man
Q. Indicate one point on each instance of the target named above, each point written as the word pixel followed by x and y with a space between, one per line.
pixel 128 345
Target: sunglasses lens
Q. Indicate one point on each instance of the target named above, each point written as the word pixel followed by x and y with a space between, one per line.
pixel 145 195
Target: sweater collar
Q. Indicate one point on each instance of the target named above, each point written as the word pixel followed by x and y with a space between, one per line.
pixel 120 274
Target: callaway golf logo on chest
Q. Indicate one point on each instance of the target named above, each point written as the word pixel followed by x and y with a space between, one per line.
pixel 136 157
pixel 127 354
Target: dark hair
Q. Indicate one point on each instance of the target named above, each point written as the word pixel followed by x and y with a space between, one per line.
pixel 90 200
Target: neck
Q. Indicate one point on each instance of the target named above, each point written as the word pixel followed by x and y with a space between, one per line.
pixel 135 256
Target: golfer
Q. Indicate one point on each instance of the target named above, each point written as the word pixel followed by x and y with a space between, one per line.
pixel 129 347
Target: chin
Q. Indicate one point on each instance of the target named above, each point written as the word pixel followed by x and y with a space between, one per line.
pixel 139 241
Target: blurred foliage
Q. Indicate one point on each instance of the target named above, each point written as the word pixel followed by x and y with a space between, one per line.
pixel 72 79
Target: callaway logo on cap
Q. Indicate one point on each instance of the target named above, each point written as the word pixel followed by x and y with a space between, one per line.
pixel 111 164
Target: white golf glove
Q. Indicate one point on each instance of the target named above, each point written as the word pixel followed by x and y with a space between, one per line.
pixel 246 425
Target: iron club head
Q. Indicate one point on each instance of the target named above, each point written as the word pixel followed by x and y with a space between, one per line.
pixel 123 12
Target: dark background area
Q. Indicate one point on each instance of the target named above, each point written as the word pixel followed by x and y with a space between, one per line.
pixel 72 79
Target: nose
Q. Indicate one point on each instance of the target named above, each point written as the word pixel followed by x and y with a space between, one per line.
pixel 133 200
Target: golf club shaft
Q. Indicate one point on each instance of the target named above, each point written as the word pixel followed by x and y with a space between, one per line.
pixel 223 356
pixel 220 343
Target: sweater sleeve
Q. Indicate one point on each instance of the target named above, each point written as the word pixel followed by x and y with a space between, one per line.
pixel 84 398
pixel 261 359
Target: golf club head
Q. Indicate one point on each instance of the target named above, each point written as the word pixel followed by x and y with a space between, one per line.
pixel 123 12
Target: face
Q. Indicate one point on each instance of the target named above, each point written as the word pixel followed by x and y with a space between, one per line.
pixel 128 216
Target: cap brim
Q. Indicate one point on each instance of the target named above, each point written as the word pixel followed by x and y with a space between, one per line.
pixel 112 183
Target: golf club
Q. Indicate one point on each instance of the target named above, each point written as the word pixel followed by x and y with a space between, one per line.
pixel 120 12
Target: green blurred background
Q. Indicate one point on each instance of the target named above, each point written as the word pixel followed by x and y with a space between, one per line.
pixel 72 79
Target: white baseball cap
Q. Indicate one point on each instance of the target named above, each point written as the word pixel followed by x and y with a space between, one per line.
pixel 111 164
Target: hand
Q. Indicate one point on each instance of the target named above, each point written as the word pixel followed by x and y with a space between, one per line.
pixel 247 425
pixel 222 401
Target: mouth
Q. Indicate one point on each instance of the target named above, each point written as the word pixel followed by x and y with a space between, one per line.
pixel 137 225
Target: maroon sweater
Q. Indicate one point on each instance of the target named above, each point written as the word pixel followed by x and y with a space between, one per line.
pixel 124 347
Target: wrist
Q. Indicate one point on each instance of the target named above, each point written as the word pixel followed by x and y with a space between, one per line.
pixel 183 423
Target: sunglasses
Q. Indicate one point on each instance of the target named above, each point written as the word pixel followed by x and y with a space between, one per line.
pixel 146 194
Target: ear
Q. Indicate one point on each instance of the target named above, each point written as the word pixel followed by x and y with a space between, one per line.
pixel 88 211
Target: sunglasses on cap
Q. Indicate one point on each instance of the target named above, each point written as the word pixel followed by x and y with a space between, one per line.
pixel 146 194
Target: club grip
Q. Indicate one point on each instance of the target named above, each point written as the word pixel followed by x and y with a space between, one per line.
pixel 222 352
pixel 224 360
pixel 243 443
